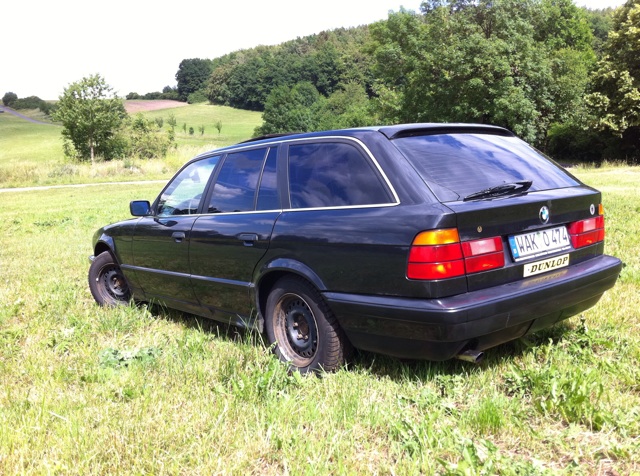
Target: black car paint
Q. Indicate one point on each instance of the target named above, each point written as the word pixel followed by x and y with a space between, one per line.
pixel 221 266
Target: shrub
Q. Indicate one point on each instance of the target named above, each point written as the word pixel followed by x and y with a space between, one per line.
pixel 197 97
pixel 9 98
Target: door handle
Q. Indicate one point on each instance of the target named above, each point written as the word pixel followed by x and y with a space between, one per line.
pixel 178 236
pixel 249 239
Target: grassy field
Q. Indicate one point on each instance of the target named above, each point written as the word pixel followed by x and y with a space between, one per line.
pixel 31 154
pixel 137 390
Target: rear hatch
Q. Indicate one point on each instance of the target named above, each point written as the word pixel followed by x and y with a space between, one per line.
pixel 519 214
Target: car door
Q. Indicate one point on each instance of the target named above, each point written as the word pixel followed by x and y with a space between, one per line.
pixel 229 240
pixel 160 244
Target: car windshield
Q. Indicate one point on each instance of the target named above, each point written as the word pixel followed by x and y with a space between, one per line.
pixel 459 165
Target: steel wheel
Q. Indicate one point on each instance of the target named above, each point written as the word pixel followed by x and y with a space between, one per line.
pixel 107 282
pixel 302 327
pixel 296 329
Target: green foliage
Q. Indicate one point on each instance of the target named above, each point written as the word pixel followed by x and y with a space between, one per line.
pixel 302 108
pixel 172 121
pixel 167 93
pixel 9 98
pixel 289 109
pixel 31 102
pixel 146 138
pixel 192 75
pixel 246 78
pixel 197 97
pixel 91 116
pixel 191 131
pixel 615 100
pixel 159 122
pixel 218 125
pixel 519 65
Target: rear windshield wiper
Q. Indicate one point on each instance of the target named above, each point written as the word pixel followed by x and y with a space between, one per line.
pixel 501 190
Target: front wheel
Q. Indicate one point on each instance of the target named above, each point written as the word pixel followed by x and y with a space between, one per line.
pixel 303 328
pixel 106 281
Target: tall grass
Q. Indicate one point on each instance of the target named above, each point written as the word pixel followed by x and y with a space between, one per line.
pixel 133 390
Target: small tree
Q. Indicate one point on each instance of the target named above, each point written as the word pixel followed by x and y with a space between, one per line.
pixel 9 98
pixel 172 121
pixel 160 122
pixel 184 127
pixel 191 131
pixel 91 116
pixel 201 129
pixel 218 125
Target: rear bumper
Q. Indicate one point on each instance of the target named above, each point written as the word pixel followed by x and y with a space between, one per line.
pixel 439 329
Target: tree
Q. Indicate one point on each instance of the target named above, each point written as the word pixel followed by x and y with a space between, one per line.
pixel 521 65
pixel 615 97
pixel 289 109
pixel 9 98
pixel 192 76
pixel 91 116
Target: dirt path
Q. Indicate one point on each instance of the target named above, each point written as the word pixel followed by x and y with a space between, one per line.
pixel 78 185
pixel 22 116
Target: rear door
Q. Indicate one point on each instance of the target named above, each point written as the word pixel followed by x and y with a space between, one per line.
pixel 233 234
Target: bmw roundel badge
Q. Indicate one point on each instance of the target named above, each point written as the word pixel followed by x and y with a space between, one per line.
pixel 544 215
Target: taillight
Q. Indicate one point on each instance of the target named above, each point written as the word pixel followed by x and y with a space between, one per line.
pixel 436 254
pixel 439 254
pixel 483 255
pixel 587 232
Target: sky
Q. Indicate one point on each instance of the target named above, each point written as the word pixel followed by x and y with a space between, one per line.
pixel 137 45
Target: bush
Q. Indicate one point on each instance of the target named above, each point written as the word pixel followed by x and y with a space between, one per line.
pixel 147 140
pixel 9 98
pixel 32 102
pixel 197 97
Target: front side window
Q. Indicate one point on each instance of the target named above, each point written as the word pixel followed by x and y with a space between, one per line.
pixel 183 195
pixel 333 174
pixel 235 187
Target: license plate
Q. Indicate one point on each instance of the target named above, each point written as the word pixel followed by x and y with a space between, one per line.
pixel 539 243
pixel 531 269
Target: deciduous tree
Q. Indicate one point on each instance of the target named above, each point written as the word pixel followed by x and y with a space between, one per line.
pixel 91 116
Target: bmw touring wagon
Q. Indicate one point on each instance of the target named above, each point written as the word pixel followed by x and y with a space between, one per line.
pixel 421 241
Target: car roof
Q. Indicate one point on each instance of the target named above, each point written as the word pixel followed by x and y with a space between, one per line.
pixel 391 132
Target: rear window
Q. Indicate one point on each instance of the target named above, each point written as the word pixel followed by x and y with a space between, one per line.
pixel 457 165
pixel 331 174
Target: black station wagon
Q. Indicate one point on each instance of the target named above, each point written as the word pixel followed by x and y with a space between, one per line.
pixel 421 241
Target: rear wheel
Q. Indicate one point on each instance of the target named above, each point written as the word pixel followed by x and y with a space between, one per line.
pixel 303 328
pixel 106 281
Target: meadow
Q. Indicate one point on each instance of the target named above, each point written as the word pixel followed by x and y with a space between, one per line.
pixel 137 389
pixel 32 154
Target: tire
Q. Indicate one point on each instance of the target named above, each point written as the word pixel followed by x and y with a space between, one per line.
pixel 107 282
pixel 302 327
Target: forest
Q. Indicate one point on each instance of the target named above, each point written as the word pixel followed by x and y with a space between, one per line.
pixel 564 78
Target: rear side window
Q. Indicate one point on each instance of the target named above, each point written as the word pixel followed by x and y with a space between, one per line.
pixel 457 165
pixel 333 174
pixel 235 187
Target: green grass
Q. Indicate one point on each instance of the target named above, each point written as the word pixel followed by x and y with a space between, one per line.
pixel 237 125
pixel 31 154
pixel 133 390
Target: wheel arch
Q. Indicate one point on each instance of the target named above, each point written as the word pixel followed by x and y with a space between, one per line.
pixel 105 243
pixel 269 275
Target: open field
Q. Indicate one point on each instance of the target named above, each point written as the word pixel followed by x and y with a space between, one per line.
pixel 134 390
pixel 31 154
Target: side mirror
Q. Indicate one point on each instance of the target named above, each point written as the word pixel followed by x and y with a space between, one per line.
pixel 140 208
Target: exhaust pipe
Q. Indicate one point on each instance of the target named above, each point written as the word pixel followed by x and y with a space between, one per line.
pixel 470 355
